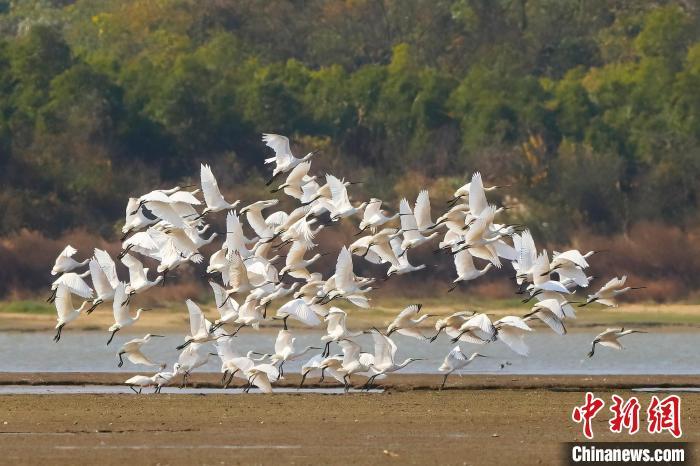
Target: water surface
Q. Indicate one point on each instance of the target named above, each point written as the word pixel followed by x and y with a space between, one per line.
pixel 650 353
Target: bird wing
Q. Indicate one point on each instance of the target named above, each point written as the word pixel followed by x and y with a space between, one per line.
pixel 613 284
pixel 299 310
pixel 107 265
pixel 197 324
pixel 136 272
pixel 408 312
pixel 238 273
pixel 514 339
pixel 184 197
pixel 64 302
pixel 553 285
pixel 344 275
pixel 235 240
pixel 351 350
pixel 166 212
pixel 257 223
pixel 295 254
pixel 210 188
pixel 421 210
pixel 68 251
pixel 296 176
pixel 480 321
pixel 220 296
pixel 456 353
pixel 284 342
pixel 384 350
pixel 137 357
pixel 552 322
pixel 408 221
pixel 514 321
pixel 611 344
pixel 99 279
pixel 553 306
pixel 120 312
pixel 540 269
pixel 276 219
pixel 75 284
pixel 464 263
pixel 372 209
pixel 573 256
pixel 339 194
pixel 412 332
pixel 279 144
pixel 477 195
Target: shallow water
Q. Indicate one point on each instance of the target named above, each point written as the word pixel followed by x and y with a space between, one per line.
pixel 108 389
pixel 651 353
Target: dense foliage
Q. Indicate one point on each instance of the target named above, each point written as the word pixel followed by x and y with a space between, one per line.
pixel 590 110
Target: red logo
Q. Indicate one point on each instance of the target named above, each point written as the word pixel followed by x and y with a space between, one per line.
pixel 625 415
pixel 587 412
pixel 665 415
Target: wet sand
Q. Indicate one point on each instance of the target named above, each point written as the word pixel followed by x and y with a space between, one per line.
pixel 473 427
pixel 394 382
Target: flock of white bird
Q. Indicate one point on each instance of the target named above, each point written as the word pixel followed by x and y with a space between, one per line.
pixel 168 226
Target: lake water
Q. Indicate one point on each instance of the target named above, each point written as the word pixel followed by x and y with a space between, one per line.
pixel 651 353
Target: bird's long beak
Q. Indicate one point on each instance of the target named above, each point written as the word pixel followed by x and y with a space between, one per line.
pixel 161 336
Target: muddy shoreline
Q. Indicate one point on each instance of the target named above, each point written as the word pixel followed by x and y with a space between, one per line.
pixel 394 382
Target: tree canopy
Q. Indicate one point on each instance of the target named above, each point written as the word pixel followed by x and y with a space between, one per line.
pixel 589 110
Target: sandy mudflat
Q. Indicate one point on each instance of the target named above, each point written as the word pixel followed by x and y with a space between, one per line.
pixel 510 425
pixel 421 427
pixel 394 382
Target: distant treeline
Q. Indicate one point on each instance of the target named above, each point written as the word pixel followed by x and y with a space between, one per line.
pixel 589 110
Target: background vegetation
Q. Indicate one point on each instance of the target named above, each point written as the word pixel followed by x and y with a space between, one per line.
pixel 589 110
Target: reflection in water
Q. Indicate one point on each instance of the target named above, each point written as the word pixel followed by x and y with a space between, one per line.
pixel 651 353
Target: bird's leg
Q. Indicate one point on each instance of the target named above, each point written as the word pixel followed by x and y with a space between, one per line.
pixel 111 337
pixel 121 361
pixel 184 345
pixel 265 310
pixel 52 297
pixel 284 320
pixel 230 379
pixel 444 379
pixel 95 303
pixel 434 337
pixel 223 379
pixel 140 388
pixel 347 384
pixel 237 330
pixel 452 288
pixel 58 333
pixel 269 182
pixel 369 382
pixel 456 339
pixel 592 351
pixel 303 378
pixel 361 231
pixel 323 375
pixel 326 350
pixel 133 389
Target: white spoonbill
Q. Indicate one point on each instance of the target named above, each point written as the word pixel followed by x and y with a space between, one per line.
pixel 405 325
pixel 65 262
pixel 212 195
pixel 610 338
pixel 611 290
pixel 122 318
pixel 455 361
pixel 132 349
pixel 65 310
